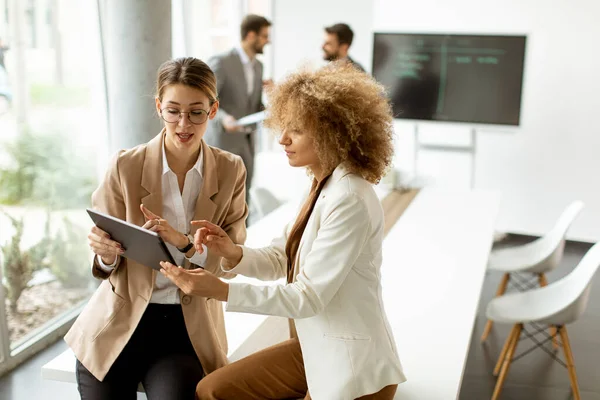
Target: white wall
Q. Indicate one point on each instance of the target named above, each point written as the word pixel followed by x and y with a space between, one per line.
pixel 553 157
pixel 297 36
pixel 539 167
pixel 298 31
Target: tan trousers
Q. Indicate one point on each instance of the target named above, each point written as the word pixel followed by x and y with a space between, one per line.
pixel 273 373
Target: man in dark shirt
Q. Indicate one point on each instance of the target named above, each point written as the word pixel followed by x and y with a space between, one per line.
pixel 338 39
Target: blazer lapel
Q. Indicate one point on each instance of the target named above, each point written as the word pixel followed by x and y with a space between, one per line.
pixel 205 207
pixel 152 175
pixel 315 217
pixel 152 183
pixel 311 220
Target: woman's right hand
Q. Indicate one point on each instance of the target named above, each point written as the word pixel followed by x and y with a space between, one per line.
pixel 217 241
pixel 102 245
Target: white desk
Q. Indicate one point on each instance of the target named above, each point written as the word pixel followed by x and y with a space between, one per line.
pixel 433 270
pixel 434 264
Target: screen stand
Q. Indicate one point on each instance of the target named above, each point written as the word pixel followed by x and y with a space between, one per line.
pixel 470 149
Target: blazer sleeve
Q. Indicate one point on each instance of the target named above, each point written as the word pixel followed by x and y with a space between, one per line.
pixel 235 220
pixel 338 244
pixel 217 65
pixel 108 198
pixel 267 263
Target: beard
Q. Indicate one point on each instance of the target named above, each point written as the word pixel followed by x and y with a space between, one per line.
pixel 330 56
pixel 258 49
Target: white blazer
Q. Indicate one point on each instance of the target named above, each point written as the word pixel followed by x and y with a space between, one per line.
pixel 347 344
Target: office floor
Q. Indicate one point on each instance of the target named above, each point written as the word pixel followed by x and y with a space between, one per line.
pixel 535 377
pixel 26 383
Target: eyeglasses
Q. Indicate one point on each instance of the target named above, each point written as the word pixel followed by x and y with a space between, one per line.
pixel 172 116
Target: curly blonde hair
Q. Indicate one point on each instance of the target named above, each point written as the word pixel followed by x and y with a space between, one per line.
pixel 345 110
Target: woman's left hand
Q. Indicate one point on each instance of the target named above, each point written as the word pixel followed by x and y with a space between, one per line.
pixel 196 282
pixel 162 227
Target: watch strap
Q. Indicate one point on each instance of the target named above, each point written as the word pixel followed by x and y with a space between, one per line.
pixel 188 247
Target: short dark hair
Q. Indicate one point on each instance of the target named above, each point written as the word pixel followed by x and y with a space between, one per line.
pixel 342 31
pixel 253 23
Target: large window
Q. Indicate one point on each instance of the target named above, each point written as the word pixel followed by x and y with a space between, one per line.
pixel 51 120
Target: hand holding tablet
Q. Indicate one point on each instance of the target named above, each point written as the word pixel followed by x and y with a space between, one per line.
pixel 139 244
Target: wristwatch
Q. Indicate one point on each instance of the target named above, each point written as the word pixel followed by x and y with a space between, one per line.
pixel 189 245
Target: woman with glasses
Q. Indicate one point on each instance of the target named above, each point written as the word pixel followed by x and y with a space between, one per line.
pixel 139 327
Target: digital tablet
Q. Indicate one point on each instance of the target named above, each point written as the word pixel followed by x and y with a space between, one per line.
pixel 251 119
pixel 141 245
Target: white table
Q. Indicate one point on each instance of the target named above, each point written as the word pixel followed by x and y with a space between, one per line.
pixel 434 265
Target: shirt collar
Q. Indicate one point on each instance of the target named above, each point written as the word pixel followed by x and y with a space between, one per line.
pixel 197 166
pixel 243 56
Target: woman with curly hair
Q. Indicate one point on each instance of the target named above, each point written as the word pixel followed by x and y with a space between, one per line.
pixel 337 123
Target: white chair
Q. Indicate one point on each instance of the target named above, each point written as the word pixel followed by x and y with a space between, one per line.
pixel 263 201
pixel 556 305
pixel 538 257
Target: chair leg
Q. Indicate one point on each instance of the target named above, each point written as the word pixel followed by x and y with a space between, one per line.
pixel 544 282
pixel 507 360
pixel 507 344
pixel 499 292
pixel 570 362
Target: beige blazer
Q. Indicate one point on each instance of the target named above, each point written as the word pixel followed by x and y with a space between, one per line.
pixel 347 344
pixel 112 314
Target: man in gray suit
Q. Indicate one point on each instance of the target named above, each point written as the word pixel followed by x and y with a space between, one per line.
pixel 239 86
